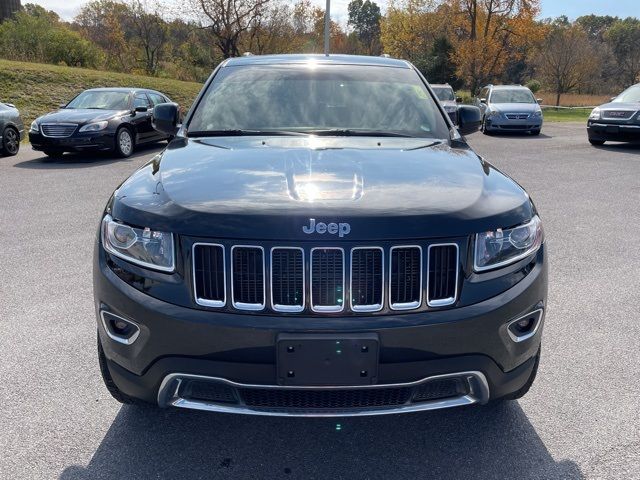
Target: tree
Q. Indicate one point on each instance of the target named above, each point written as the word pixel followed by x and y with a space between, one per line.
pixel 228 20
pixel 566 58
pixel 364 18
pixel 490 34
pixel 596 26
pixel 150 31
pixel 440 68
pixel 624 39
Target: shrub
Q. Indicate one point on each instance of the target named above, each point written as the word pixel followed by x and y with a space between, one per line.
pixel 534 85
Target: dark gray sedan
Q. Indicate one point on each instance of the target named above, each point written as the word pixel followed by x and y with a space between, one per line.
pixel 617 121
pixel 12 129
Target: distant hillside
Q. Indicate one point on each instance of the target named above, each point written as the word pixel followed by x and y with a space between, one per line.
pixel 38 88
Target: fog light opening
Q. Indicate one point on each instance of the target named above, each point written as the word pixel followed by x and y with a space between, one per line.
pixel 119 329
pixel 524 327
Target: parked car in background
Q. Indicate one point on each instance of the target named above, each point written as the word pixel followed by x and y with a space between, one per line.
pixel 448 99
pixel 108 119
pixel 318 241
pixel 11 130
pixel 509 108
pixel 618 120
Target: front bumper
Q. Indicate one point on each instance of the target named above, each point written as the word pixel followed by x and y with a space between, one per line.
pixel 615 132
pixel 176 343
pixel 78 142
pixel 501 123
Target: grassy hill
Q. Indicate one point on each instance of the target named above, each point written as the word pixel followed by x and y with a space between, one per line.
pixel 38 88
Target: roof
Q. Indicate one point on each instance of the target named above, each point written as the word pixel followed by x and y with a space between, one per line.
pixel 507 86
pixel 317 58
pixel 121 89
pixel 441 85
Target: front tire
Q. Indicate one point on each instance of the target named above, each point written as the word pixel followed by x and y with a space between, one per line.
pixel 124 143
pixel 535 132
pixel 596 143
pixel 109 383
pixel 10 142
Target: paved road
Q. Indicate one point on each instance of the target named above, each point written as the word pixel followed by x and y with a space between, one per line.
pixel 580 419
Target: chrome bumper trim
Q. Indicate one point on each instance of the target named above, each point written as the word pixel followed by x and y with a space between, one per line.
pixel 170 387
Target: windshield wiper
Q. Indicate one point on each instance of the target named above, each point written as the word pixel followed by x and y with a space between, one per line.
pixel 241 132
pixel 345 132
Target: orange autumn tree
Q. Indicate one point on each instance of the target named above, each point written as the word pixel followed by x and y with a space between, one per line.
pixel 489 34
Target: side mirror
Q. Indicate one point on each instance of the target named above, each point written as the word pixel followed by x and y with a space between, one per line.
pixel 141 109
pixel 539 100
pixel 469 119
pixel 165 118
pixel 10 105
pixel 459 99
pixel 483 100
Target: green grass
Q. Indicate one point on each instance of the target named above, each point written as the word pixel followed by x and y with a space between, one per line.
pixel 565 115
pixel 39 88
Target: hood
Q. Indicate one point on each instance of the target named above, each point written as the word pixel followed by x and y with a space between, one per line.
pixel 270 188
pixel 448 103
pixel 622 107
pixel 79 115
pixel 515 107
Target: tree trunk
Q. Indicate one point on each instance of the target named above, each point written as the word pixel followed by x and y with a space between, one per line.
pixel 558 99
pixel 8 8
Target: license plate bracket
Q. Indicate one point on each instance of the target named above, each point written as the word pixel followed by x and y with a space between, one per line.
pixel 613 129
pixel 327 359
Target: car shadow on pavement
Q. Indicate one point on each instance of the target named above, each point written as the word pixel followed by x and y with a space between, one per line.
pixel 491 442
pixel 86 159
pixel 631 148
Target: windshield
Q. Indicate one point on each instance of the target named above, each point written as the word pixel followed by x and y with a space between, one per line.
pixel 360 100
pixel 512 96
pixel 630 95
pixel 101 99
pixel 445 94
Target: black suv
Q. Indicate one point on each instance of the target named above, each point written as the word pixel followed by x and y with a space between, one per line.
pixel 318 239
pixel 448 98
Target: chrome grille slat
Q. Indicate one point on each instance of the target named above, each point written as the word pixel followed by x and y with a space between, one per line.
pixel 405 277
pixel 209 274
pixel 58 130
pixel 287 279
pixel 247 277
pixel 442 274
pixel 327 279
pixel 367 279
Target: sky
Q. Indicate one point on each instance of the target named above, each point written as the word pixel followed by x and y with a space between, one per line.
pixel 550 8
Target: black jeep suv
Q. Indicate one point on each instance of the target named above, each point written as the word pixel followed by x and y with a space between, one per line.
pixel 319 239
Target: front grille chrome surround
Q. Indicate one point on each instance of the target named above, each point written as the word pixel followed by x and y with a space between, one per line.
pixel 58 130
pixel 244 305
pixel 405 305
pixel 339 306
pixel 442 302
pixel 375 307
pixel 288 308
pixel 205 301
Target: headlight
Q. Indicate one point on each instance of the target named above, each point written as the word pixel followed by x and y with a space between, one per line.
pixel 450 109
pixel 94 127
pixel 537 113
pixel 503 247
pixel 595 114
pixel 493 113
pixel 145 247
pixel 35 128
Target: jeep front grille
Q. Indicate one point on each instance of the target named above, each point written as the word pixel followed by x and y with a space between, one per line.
pixel 326 279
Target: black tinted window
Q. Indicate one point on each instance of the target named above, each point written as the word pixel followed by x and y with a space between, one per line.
pixel 308 97
pixel 156 98
pixel 140 100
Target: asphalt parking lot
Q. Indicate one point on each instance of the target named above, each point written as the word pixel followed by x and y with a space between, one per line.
pixel 580 420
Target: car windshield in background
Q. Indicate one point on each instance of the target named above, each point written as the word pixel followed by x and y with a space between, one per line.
pixel 444 94
pixel 630 95
pixel 512 96
pixel 102 100
pixel 318 99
